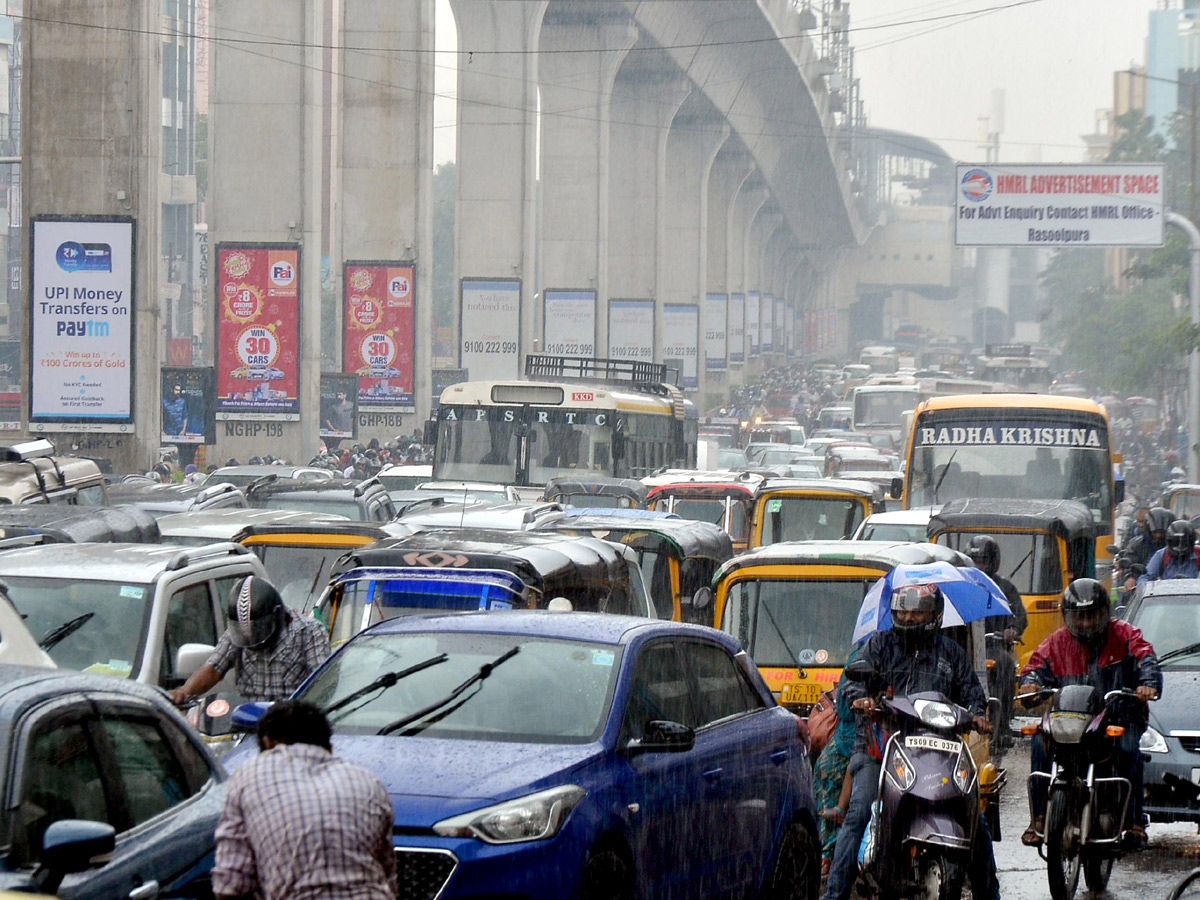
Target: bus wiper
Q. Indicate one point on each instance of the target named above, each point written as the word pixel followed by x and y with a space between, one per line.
pixel 61 632
pixel 945 471
pixel 386 680
pixel 484 671
pixel 1182 651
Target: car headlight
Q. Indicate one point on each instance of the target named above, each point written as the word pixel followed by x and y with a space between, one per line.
pixel 1152 741
pixel 964 770
pixel 533 818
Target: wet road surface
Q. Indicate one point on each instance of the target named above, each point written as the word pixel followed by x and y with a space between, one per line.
pixel 1150 875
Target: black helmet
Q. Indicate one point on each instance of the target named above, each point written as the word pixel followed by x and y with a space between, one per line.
pixel 1085 609
pixel 1180 537
pixel 984 552
pixel 255 612
pixel 918 598
pixel 1159 519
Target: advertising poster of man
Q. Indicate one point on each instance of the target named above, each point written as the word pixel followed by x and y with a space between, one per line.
pixel 339 411
pixel 258 330
pixel 378 318
pixel 187 411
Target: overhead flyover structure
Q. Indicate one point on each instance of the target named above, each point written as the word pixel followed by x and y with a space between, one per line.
pixel 663 180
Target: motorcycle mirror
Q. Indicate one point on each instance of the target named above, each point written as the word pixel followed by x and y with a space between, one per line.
pixel 859 671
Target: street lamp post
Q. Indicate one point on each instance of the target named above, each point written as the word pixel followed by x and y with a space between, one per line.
pixel 1193 236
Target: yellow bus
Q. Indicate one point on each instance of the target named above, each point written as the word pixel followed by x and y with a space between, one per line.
pixel 1015 446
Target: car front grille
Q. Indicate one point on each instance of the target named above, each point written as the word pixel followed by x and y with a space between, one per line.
pixel 423 874
pixel 1191 743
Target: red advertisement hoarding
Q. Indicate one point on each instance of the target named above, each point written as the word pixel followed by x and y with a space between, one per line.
pixel 378 328
pixel 258 329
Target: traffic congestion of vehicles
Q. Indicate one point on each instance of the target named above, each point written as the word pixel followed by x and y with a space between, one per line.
pixel 649 624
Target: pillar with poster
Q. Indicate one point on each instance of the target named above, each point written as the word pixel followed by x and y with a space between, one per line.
pixel 188 412
pixel 339 408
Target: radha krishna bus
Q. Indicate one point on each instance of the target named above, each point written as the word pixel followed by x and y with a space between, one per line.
pixel 1014 446
pixel 574 415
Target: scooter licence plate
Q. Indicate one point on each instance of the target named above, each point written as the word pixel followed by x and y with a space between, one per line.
pixel 927 742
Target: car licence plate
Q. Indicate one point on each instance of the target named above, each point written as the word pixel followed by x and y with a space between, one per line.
pixel 926 742
pixel 800 693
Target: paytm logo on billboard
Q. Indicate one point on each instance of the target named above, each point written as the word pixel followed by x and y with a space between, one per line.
pixel 73 256
pixel 283 272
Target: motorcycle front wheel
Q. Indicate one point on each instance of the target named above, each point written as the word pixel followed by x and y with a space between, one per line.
pixel 1062 846
pixel 941 879
pixel 1096 870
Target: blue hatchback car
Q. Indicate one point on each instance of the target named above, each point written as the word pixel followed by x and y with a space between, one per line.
pixel 541 754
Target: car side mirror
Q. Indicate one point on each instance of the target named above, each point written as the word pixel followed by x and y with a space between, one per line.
pixel 662 736
pixel 73 845
pixel 702 598
pixel 897 488
pixel 246 715
pixel 190 657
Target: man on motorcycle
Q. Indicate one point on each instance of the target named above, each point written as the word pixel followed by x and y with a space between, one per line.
pixel 910 657
pixel 1140 549
pixel 1092 648
pixel 1178 558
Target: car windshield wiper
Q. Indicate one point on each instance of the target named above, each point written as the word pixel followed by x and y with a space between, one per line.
pixel 484 671
pixel 386 680
pixel 1182 651
pixel 61 632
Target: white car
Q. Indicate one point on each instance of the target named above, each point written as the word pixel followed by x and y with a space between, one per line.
pixel 901 525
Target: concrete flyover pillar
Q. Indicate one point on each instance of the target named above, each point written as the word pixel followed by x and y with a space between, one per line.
pixel 267 152
pixel 496 212
pixel 695 138
pixel 730 170
pixel 768 219
pixel 646 95
pixel 582 48
pixel 88 150
pixel 382 207
pixel 749 200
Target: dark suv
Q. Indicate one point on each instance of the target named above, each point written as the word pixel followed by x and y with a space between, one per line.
pixel 364 501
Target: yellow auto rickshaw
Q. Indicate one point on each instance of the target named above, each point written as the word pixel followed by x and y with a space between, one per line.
pixel 811 509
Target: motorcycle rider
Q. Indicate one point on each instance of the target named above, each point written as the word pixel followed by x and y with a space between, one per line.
pixel 1140 549
pixel 1178 558
pixel 912 656
pixel 985 554
pixel 1092 648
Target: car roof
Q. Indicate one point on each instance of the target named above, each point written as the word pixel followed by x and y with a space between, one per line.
pixel 222 524
pixel 108 562
pixel 1171 587
pixel 586 626
pixel 900 517
pixel 314 487
pixel 819 486
pixel 267 469
pixel 445 512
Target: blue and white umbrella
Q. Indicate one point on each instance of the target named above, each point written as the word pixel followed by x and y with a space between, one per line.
pixel 969 595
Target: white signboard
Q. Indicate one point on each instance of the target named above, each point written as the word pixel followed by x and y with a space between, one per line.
pixel 737 328
pixel 766 323
pixel 715 314
pixel 752 320
pixel 569 323
pixel 631 330
pixel 681 336
pixel 1104 205
pixel 490 324
pixel 81 321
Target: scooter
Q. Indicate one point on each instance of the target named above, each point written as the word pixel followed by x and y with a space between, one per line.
pixel 1088 807
pixel 923 824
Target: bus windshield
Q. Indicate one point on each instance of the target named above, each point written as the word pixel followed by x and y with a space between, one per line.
pixel 882 409
pixel 1051 460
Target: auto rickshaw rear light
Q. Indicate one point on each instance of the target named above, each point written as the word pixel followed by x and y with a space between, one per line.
pixel 1115 730
pixel 991 663
pixel 1029 729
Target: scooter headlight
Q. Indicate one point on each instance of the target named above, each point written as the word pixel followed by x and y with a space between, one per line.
pixel 900 769
pixel 936 715
pixel 1152 741
pixel 535 817
pixel 964 770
